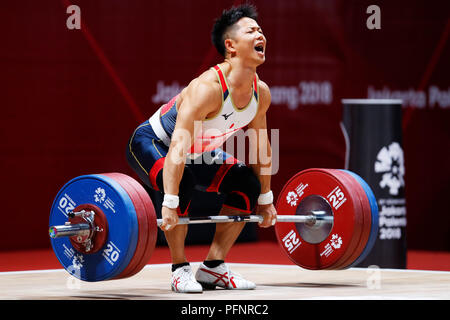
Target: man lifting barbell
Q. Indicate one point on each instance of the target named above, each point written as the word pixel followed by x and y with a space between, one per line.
pixel 223 99
pixel 104 226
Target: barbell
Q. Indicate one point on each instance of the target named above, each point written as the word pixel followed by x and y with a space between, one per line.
pixel 104 226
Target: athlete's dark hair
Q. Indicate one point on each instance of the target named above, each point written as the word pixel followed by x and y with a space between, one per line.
pixel 226 20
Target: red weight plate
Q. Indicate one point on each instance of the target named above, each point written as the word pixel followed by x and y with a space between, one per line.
pixel 358 216
pixel 152 224
pixel 345 233
pixel 142 224
pixel 366 212
pixel 366 217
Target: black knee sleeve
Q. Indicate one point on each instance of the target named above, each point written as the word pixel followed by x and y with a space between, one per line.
pixel 242 188
pixel 185 190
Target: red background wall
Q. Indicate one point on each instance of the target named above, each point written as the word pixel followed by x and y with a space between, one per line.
pixel 71 98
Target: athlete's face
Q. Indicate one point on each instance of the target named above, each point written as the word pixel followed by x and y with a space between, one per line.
pixel 247 41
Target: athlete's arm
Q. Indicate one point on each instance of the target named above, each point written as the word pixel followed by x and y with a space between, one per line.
pixel 201 98
pixel 260 147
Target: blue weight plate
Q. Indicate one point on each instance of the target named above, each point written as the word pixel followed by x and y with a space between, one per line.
pixel 374 222
pixel 120 213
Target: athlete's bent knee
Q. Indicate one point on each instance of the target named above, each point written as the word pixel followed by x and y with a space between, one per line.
pixel 242 187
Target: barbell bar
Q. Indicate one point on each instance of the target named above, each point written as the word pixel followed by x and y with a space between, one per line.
pixel 307 219
pixel 83 229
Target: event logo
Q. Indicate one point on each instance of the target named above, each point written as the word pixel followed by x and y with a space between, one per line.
pixel 334 244
pixel 336 241
pixel 77 261
pixel 292 198
pixel 390 162
pixel 99 195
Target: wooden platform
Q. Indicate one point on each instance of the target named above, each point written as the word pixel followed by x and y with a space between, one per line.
pixel 274 282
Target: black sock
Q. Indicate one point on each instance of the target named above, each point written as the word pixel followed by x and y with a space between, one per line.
pixel 179 265
pixel 212 263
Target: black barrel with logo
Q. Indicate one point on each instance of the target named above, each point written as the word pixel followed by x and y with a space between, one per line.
pixel 373 133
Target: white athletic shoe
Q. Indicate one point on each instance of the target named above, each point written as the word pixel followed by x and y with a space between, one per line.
pixel 221 276
pixel 183 281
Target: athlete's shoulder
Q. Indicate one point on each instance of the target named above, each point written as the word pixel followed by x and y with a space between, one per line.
pixel 202 96
pixel 264 92
pixel 262 85
pixel 206 83
pixel 208 76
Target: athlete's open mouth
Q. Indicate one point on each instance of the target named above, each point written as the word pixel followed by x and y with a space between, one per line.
pixel 260 48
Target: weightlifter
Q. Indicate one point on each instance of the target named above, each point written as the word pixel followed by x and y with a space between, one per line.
pixel 214 106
